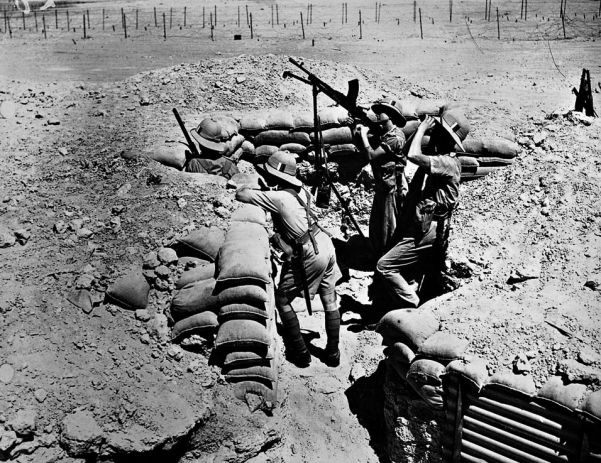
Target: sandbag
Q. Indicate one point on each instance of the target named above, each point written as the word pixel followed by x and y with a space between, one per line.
pixel 204 243
pixel 248 149
pixel 473 370
pixel 468 161
pixel 523 384
pixel 443 347
pixel 244 256
pixel 428 107
pixel 279 119
pixel 410 128
pixel 467 174
pixel 243 312
pixel 129 292
pixel 263 152
pixel 409 109
pixel 202 295
pixel 242 359
pixel 332 117
pixel 346 149
pixel 261 373
pixel 203 323
pixel 295 148
pixel 249 213
pixel 188 262
pixel 304 121
pixel 490 161
pixel 241 180
pixel 281 137
pixel 592 405
pixel 204 272
pixel 175 158
pixel 492 146
pixel 243 389
pixel 567 396
pixel 401 352
pixel 400 368
pixel 253 123
pixel 424 376
pixel 241 335
pixel 232 145
pixel 409 326
pixel 336 136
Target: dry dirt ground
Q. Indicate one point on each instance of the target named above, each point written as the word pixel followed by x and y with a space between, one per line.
pixel 86 203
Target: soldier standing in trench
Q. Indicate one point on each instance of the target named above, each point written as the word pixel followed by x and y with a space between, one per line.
pixel 433 195
pixel 310 260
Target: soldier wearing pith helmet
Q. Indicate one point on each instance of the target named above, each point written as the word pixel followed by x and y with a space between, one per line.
pixel 309 265
pixel 422 235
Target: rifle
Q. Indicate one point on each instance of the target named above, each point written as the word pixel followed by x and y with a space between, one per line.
pixel 348 102
pixel 189 141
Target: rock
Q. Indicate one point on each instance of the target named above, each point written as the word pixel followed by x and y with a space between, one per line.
pixel 521 364
pixel 524 141
pixel 222 212
pixel 40 395
pixel 25 448
pixel 582 118
pixel 119 209
pixel 357 371
pixel 539 138
pixel 175 352
pixel 577 372
pixel 161 284
pixel 8 109
pixel 144 99
pixel 194 366
pixel 8 439
pixel 22 236
pixel 7 237
pixel 182 203
pixel 526 271
pixel 82 299
pixel 53 121
pixel 588 356
pixel 124 189
pixel 24 423
pixel 84 281
pixel 143 315
pixel 167 256
pixel 7 373
pixel 159 327
pixel 545 211
pixel 60 227
pixel 163 272
pixel 84 233
pixel 81 435
pixel 592 285
pixel 151 260
pixel 240 79
pixel 63 151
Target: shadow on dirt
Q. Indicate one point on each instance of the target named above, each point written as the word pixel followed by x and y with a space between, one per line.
pixel 366 402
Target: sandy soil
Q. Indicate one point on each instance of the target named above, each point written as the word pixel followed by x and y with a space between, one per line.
pixel 75 152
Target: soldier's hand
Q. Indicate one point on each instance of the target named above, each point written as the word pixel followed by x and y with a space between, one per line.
pixel 428 123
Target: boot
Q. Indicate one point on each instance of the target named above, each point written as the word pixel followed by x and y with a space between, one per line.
pixel 296 350
pixel 332 315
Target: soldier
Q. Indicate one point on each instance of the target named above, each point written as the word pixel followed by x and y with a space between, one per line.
pixel 213 147
pixel 432 197
pixel 310 262
pixel 388 165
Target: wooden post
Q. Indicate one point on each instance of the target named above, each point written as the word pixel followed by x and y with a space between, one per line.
pixel 125 25
pixel 525 10
pixel 271 15
pixel 122 16
pixel 88 16
pixel 414 9
pixel 10 30
pixel 342 15
pixel 170 17
pixel 376 11
pixel 44 24
pixel 522 10
pixel 247 21
pixel 565 3
pixel 563 25
pixel 238 16
pixel 155 17
pixel 203 17
pixel 450 11
pixel 215 16
pixel 68 22
pixel 103 19
pixel 277 14
pixel 360 26
pixel 302 24
pixel 485 10
pixel 421 30
pixel 85 35
pixel 498 26
pixel 307 14
pixel 56 19
pixel 136 19
pixel 23 13
pixel 252 32
pixel 184 16
pixel 164 28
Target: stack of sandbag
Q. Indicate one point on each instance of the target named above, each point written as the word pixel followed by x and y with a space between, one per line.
pixel 418 351
pixel 483 156
pixel 245 342
pixel 279 129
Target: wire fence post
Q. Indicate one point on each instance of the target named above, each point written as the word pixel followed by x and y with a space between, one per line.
pixel 360 26
pixel 103 19
pixel 184 16
pixel 302 24
pixel 238 22
pixel 215 16
pixel 498 26
pixel 486 9
pixel 136 19
pixel 88 16
pixel 203 17
pixel 164 28
pixel 85 35
pixel 414 9
pixel 277 14
pixel 43 25
pixel 155 17
pixel 525 10
pixel 563 25
pixel 68 22
pixel 170 17
pixel 421 30
pixel 56 19
pixel 252 33
pixel 125 25
pixel 35 17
